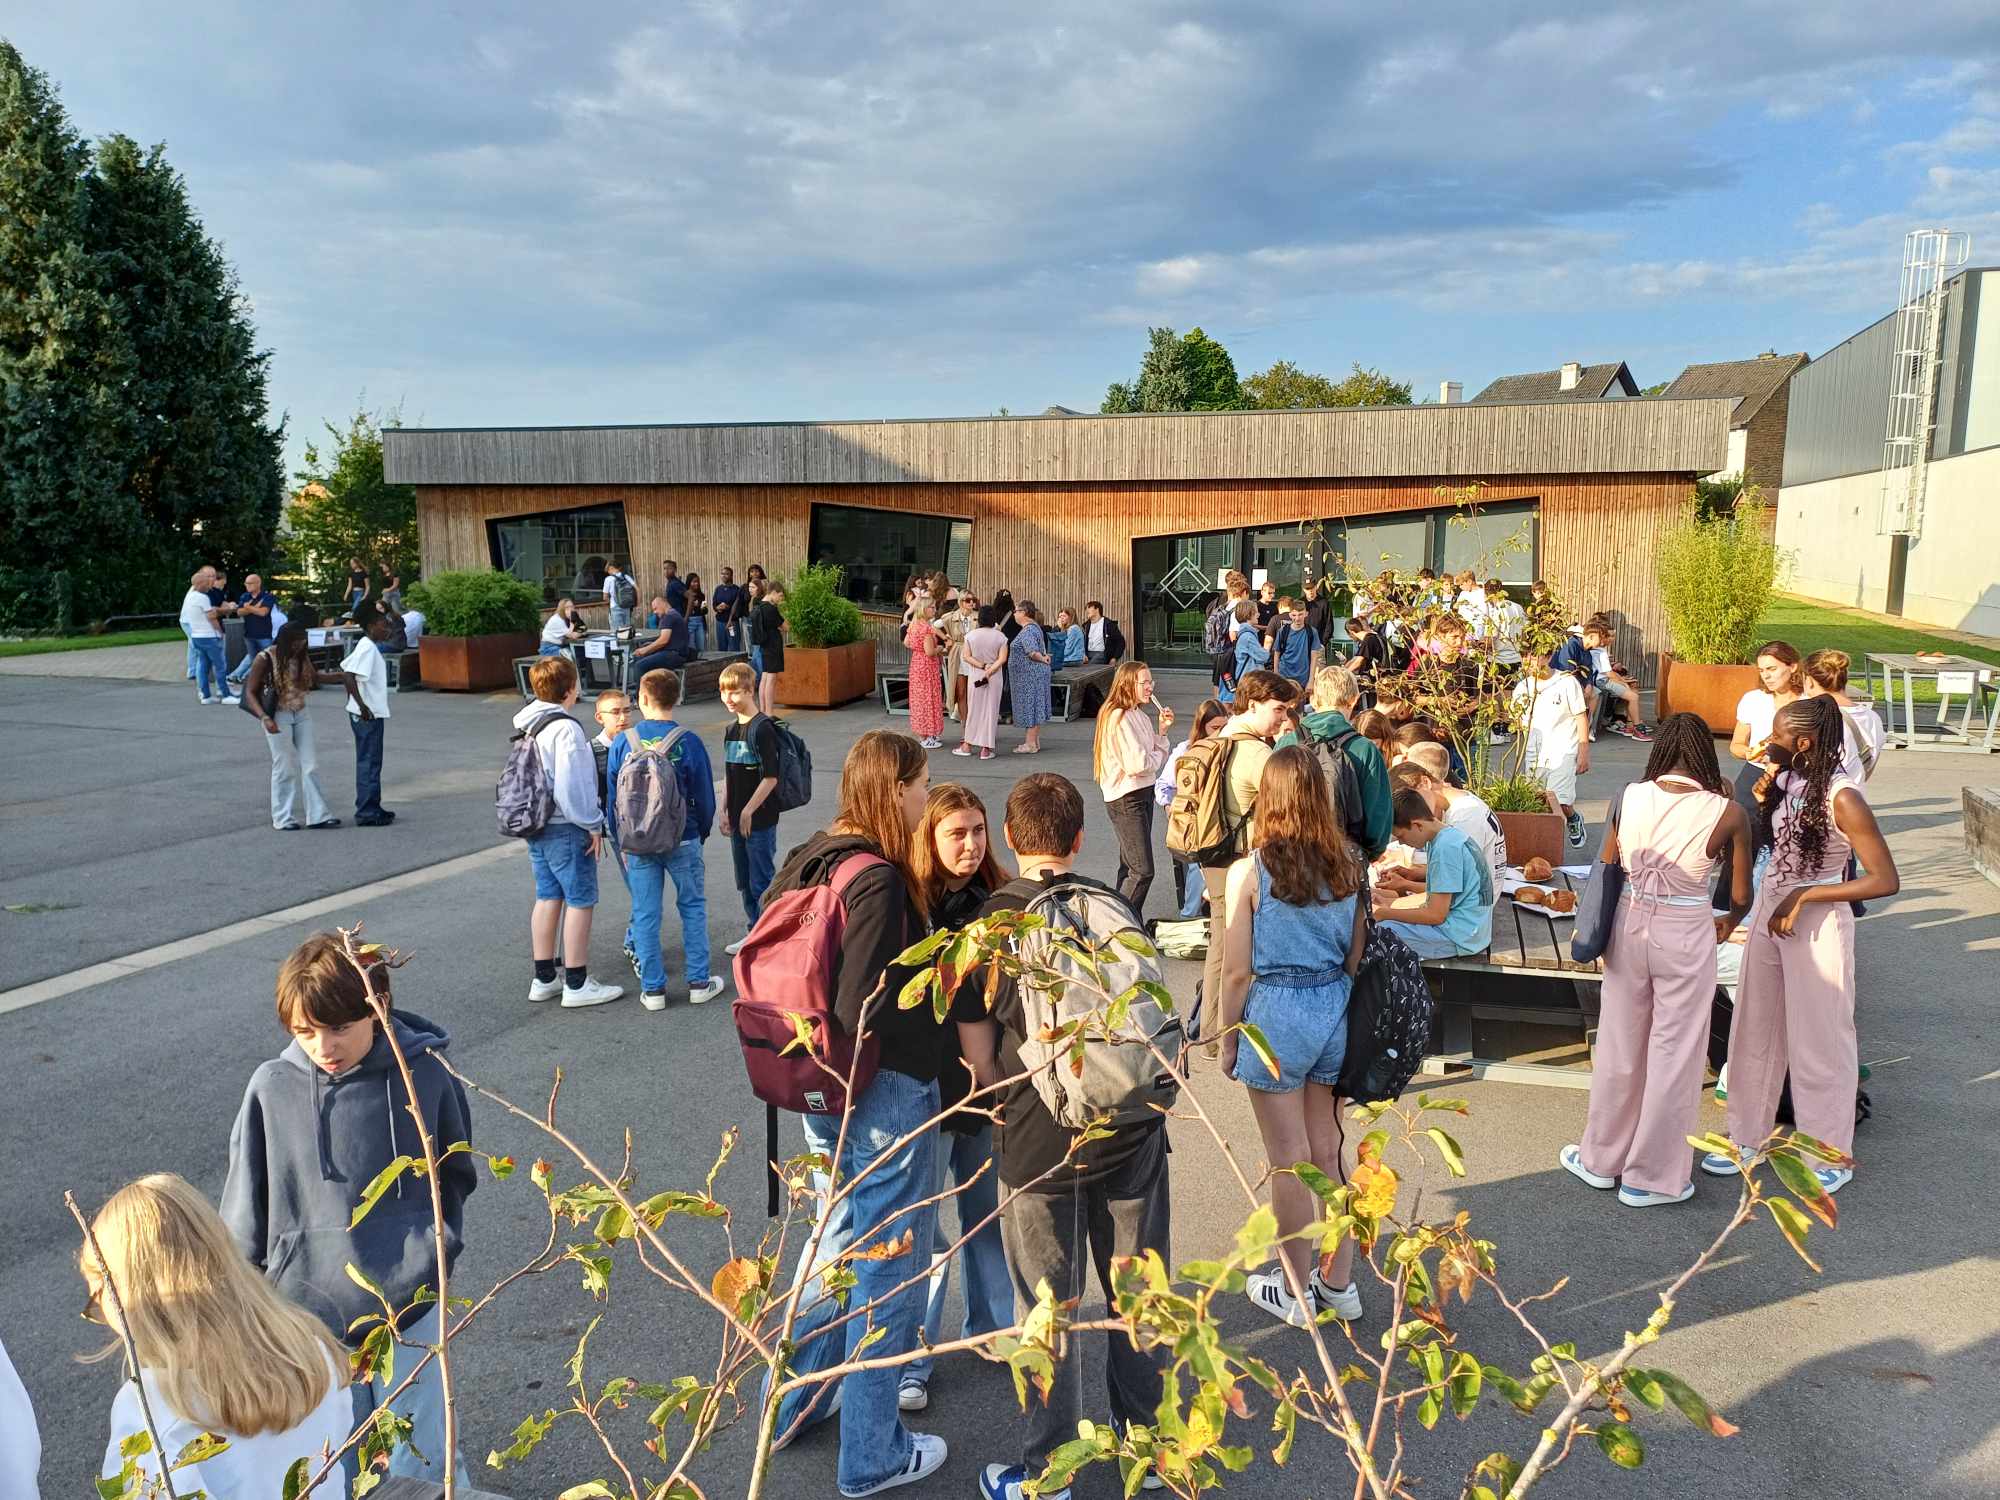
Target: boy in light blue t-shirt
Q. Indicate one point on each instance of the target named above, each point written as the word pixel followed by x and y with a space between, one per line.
pixel 1454 915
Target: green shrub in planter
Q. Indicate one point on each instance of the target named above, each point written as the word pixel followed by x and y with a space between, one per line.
pixel 1522 792
pixel 1718 575
pixel 816 610
pixel 476 602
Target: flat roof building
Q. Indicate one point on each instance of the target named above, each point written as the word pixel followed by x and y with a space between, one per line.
pixel 1139 511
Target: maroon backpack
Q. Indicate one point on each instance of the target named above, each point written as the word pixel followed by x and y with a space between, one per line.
pixel 786 969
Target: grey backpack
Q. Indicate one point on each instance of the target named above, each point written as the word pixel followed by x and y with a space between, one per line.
pixel 525 799
pixel 652 810
pixel 1121 1077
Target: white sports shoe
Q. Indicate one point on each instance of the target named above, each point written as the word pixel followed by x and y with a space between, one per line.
pixel 927 1455
pixel 232 698
pixel 653 999
pixel 545 989
pixel 701 994
pixel 1571 1157
pixel 590 992
pixel 1343 1302
pixel 1266 1291
pixel 732 949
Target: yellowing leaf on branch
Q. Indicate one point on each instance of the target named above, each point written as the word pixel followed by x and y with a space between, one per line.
pixel 735 1280
pixel 1374 1189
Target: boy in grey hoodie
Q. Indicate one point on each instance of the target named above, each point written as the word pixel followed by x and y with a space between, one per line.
pixel 319 1122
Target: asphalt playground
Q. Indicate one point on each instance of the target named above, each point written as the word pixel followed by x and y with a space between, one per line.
pixel 147 903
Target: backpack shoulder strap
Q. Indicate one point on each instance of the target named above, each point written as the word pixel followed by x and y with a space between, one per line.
pixel 535 727
pixel 851 868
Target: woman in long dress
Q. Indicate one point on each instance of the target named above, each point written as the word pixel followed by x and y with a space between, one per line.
pixel 926 687
pixel 983 661
pixel 1029 670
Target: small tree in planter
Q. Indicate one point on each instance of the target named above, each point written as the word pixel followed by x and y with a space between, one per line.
pixel 476 622
pixel 1718 573
pixel 828 658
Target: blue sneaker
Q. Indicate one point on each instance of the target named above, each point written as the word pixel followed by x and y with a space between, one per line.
pixel 1718 1165
pixel 1008 1481
pixel 1633 1197
pixel 1833 1179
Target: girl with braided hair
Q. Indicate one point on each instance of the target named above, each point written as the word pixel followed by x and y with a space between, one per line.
pixel 1667 832
pixel 1795 1002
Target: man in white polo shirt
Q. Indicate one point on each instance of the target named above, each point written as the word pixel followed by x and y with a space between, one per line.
pixel 202 620
pixel 621 594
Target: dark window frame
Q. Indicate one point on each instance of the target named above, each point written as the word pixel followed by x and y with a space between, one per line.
pixel 941 563
pixel 552 589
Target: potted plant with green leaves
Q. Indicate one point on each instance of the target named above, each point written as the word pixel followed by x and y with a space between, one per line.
pixel 829 657
pixel 476 621
pixel 1718 572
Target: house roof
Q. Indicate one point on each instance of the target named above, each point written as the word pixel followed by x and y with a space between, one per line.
pixel 1751 381
pixel 1593 384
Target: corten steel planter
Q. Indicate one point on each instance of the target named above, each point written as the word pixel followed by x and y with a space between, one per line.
pixel 1709 692
pixel 1531 834
pixel 472 663
pixel 826 676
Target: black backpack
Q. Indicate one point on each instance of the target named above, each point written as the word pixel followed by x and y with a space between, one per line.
pixel 625 595
pixel 1344 782
pixel 1389 1014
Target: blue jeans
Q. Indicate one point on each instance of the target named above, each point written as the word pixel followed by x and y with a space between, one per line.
pixel 648 874
pixel 757 663
pixel 564 870
pixel 755 855
pixel 1424 941
pixel 422 1403
pixel 698 633
pixel 728 637
pixel 621 619
pixel 874 1443
pixel 989 1289
pixel 367 767
pixel 190 655
pixel 208 666
pixel 251 648
pixel 552 648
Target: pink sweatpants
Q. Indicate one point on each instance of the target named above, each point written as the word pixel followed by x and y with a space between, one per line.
pixel 1795 1007
pixel 1652 1045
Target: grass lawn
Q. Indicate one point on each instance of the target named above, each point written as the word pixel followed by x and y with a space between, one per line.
pixel 90 642
pixel 1812 627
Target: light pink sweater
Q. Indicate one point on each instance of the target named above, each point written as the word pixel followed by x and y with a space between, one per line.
pixel 1134 751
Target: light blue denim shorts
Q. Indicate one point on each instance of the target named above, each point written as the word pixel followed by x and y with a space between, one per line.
pixel 564 870
pixel 1306 1028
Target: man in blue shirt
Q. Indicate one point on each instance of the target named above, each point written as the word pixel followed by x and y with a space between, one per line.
pixel 659 694
pixel 1454 915
pixel 253 607
pixel 667 649
pixel 673 587
pixel 1295 647
pixel 730 607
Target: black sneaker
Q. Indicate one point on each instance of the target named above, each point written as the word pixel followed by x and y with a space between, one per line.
pixel 1578 832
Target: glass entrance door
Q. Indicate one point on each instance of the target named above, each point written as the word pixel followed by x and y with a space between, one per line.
pixel 1174 584
pixel 1281 557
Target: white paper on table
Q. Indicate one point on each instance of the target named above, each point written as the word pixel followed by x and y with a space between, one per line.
pixel 594 647
pixel 319 637
pixel 1578 872
pixel 1953 682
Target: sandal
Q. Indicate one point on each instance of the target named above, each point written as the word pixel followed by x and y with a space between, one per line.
pixel 1027 750
pixel 986 755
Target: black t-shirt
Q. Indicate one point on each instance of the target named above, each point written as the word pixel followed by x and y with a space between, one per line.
pixel 1030 1139
pixel 749 754
pixel 218 596
pixel 356 581
pixel 767 633
pixel 955 909
pixel 1267 609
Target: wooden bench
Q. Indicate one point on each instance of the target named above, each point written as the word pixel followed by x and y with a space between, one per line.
pixel 1078 692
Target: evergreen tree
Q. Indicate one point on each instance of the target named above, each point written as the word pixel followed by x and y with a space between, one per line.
pixel 197 449
pixel 1179 373
pixel 63 364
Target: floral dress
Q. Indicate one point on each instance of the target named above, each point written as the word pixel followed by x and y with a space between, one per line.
pixel 926 683
pixel 1028 677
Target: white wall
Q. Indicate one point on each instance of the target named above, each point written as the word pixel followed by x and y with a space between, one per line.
pixel 1739 444
pixel 1953 575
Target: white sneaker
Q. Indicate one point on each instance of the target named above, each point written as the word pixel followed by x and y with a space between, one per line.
pixel 653 999
pixel 545 989
pixel 927 1456
pixel 732 949
pixel 590 992
pixel 1571 1157
pixel 912 1395
pixel 702 993
pixel 1266 1291
pixel 231 699
pixel 1833 1179
pixel 1633 1197
pixel 205 698
pixel 1343 1302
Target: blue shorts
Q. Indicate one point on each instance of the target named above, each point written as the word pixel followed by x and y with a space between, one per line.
pixel 1306 1029
pixel 564 870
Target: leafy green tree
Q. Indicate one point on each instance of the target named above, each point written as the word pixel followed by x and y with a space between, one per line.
pixel 345 508
pixel 63 362
pixel 196 449
pixel 1191 372
pixel 1286 387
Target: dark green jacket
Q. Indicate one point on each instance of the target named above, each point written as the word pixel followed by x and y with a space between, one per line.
pixel 1369 769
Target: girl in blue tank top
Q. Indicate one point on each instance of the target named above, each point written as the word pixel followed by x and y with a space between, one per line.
pixel 1294 925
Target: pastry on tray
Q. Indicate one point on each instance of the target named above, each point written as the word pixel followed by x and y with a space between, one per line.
pixel 1532 895
pixel 1538 870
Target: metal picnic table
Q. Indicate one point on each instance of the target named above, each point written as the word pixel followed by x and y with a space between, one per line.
pixel 1953 675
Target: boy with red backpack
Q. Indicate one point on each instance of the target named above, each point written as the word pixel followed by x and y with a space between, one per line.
pixel 662 806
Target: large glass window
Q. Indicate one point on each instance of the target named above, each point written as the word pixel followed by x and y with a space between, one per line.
pixel 1176 580
pixel 1495 541
pixel 561 551
pixel 1400 542
pixel 881 550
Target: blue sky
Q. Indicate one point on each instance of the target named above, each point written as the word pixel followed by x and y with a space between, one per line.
pixel 726 211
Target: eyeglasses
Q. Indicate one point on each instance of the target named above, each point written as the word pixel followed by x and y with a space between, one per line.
pixel 93 1310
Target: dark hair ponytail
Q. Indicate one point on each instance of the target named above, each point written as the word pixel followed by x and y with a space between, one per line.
pixel 1683 746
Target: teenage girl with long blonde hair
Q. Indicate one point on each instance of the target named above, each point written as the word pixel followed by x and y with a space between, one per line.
pixel 220 1349
pixel 1126 758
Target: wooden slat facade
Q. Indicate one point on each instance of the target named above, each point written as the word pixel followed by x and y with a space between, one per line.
pixel 1491 441
pixel 1064 542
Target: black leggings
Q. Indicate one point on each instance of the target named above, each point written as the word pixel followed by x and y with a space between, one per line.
pixel 1132 820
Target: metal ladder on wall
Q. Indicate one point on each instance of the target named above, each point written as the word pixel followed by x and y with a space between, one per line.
pixel 1930 258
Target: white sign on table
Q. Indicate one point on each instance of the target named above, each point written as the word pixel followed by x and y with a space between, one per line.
pixel 594 648
pixel 1950 683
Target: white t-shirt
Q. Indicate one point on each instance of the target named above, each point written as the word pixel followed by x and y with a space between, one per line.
pixel 250 1468
pixel 413 627
pixel 20 1439
pixel 611 588
pixel 1558 699
pixel 371 675
pixel 1093 638
pixel 555 632
pixel 1505 622
pixel 1864 728
pixel 1471 816
pixel 194 617
pixel 1759 710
